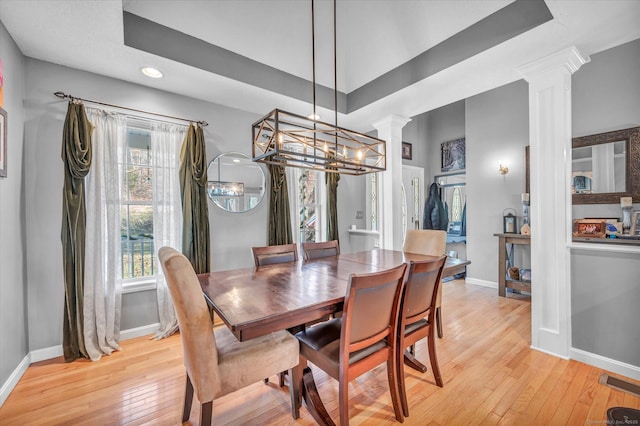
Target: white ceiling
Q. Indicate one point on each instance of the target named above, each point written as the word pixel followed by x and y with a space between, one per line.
pixel 374 37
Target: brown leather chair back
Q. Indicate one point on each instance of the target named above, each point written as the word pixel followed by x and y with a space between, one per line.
pixel 371 308
pixel 420 293
pixel 270 255
pixel 323 249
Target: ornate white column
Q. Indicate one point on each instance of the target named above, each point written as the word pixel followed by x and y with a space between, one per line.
pixel 549 81
pixel 390 182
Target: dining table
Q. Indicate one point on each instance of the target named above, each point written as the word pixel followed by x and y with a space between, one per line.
pixel 256 301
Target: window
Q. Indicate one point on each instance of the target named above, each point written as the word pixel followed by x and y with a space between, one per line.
pixel 137 206
pixel 309 205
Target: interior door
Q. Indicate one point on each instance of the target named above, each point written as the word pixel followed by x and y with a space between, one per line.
pixel 413 199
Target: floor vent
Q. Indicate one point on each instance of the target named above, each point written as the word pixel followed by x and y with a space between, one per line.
pixel 620 384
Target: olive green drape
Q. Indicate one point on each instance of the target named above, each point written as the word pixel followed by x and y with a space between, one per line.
pixel 193 190
pixel 279 214
pixel 331 180
pixel 76 156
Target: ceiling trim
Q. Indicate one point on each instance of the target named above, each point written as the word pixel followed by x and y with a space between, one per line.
pixel 151 37
pixel 502 25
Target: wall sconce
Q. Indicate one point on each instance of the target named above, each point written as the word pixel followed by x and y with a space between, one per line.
pixel 502 169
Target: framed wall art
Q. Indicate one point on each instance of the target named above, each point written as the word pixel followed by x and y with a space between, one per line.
pixel 407 153
pixel 594 228
pixel 453 155
pixel 3 143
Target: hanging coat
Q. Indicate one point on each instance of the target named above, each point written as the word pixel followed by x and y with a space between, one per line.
pixel 435 215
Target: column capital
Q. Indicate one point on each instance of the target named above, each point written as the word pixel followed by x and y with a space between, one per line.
pixel 568 61
pixel 391 121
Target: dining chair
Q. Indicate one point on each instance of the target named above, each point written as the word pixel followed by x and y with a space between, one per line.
pixel 323 249
pixel 269 255
pixel 417 315
pixel 430 242
pixel 216 362
pixel 365 336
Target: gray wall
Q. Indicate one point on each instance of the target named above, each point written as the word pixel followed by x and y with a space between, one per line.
pixel 497 125
pixel 232 234
pixel 604 287
pixel 443 124
pixel 604 304
pixel 13 312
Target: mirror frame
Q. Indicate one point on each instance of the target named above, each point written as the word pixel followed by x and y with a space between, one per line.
pixel 632 180
pixel 264 180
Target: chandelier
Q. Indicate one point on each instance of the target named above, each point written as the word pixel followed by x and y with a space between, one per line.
pixel 292 140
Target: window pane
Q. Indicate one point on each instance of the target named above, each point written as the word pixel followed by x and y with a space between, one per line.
pixel 137 241
pixel 307 202
pixel 139 151
pixel 138 185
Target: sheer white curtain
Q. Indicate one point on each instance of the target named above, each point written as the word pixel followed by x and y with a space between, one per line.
pixel 166 140
pixel 103 275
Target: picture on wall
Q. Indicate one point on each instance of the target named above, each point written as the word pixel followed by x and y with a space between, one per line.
pixel 453 155
pixel 3 143
pixel 406 151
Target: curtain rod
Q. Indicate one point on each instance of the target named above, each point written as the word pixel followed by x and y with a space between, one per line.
pixel 63 95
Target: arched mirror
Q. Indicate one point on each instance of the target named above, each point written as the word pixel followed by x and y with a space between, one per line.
pixel 235 183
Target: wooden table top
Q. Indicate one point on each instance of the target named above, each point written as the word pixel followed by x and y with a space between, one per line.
pixel 259 300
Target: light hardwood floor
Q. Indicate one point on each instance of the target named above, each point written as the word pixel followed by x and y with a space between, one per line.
pixel 490 377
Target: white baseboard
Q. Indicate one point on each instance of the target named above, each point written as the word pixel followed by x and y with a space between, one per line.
pixel 132 333
pixel 624 369
pixel 482 283
pixel 56 351
pixel 13 379
pixel 535 348
pixel 46 353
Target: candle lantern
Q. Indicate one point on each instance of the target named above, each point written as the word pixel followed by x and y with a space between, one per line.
pixel 509 221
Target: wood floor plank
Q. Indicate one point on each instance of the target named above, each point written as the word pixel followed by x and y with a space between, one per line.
pixel 491 376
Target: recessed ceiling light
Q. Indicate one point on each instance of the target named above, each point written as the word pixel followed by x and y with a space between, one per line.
pixel 151 72
pixel 314 117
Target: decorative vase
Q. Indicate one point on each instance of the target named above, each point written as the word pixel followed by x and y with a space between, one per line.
pixel 626 220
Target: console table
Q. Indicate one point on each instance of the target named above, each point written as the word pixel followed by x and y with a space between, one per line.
pixel 503 283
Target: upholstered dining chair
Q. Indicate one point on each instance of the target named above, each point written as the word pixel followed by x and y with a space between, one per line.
pixel 216 362
pixel 364 337
pixel 430 242
pixel 269 255
pixel 417 316
pixel 323 249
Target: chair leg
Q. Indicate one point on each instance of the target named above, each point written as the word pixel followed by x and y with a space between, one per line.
pixel 439 321
pixel 206 411
pixel 295 390
pixel 188 399
pixel 281 377
pixel 431 342
pixel 394 384
pixel 402 391
pixel 343 398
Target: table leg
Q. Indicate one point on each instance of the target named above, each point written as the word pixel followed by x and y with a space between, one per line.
pixel 411 361
pixel 502 267
pixel 312 399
